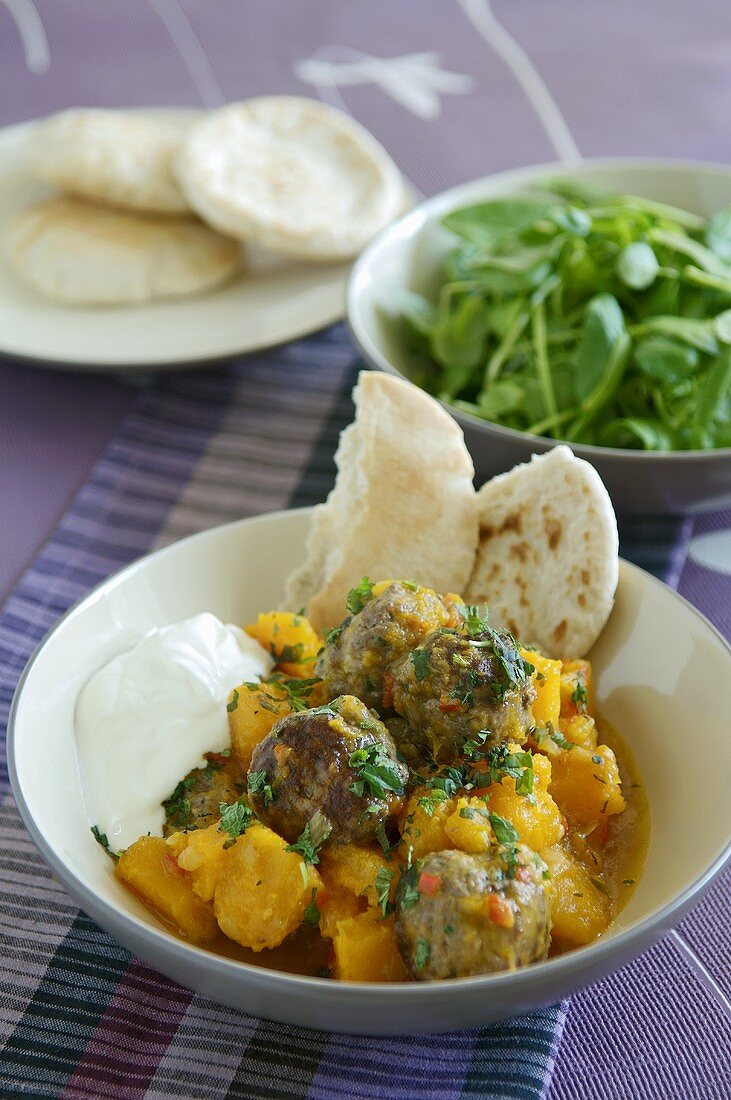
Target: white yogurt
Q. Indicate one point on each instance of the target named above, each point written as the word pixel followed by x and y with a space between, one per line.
pixel 146 718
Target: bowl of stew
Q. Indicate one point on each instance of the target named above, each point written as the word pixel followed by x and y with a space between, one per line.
pixel 604 360
pixel 659 671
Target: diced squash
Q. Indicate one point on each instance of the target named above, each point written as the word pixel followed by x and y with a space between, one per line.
pixel 290 639
pixel 352 868
pixel 581 729
pixel 203 857
pixel 547 682
pixel 580 910
pixel 263 890
pixel 468 828
pixel 423 823
pixel 585 784
pixel 252 711
pixel 150 868
pixel 337 905
pixel 575 673
pixel 366 951
pixel 539 822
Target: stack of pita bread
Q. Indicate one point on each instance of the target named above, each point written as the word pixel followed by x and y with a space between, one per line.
pixel 538 544
pixel 148 210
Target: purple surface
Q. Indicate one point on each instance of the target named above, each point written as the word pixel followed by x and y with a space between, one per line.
pixel 649 79
pixel 52 428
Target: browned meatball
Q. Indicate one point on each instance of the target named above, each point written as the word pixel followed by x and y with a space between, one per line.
pixel 337 759
pixel 456 685
pixel 395 616
pixel 194 804
pixel 459 914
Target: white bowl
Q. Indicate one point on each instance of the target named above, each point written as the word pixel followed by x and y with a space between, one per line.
pixel 409 253
pixel 664 679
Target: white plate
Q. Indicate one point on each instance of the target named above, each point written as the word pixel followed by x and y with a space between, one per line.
pixel 663 678
pixel 276 302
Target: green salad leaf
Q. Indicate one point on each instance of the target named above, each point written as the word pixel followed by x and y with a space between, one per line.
pixel 580 315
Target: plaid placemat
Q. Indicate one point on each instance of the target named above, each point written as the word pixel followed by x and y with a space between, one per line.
pixel 78 1016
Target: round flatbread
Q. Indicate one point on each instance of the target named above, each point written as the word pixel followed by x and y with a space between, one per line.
pixel 547 563
pixel 77 254
pixel 113 157
pixel 403 504
pixel 293 175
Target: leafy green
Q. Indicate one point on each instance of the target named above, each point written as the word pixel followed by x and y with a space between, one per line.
pixel 236 817
pixel 378 775
pixel 257 784
pixel 101 838
pixel 580 315
pixel 312 837
pixel 359 596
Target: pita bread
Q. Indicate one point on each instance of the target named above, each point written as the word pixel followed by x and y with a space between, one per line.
pixel 112 157
pixel 77 253
pixel 403 503
pixel 292 175
pixel 547 563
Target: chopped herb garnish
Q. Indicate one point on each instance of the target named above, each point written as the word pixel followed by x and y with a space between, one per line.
pixel 327 710
pixel 236 817
pixel 580 696
pixel 378 775
pixel 506 835
pixel 312 913
pixel 234 701
pixel 257 784
pixel 384 878
pixel 628 882
pixel 312 837
pixel 555 735
pixel 474 622
pixel 420 660
pixel 332 636
pixel 448 929
pixel 359 596
pixel 297 691
pixel 473 812
pixel 407 894
pixel 598 885
pixel 289 654
pixel 101 838
pixel 597 759
pixel 422 953
pixel 502 763
pixel 411 585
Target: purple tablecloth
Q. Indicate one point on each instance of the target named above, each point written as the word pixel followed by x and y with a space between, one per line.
pixel 622 78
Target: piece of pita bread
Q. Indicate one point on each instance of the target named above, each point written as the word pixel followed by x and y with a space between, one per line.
pixel 113 157
pixel 547 563
pixel 77 253
pixel 403 504
pixel 291 175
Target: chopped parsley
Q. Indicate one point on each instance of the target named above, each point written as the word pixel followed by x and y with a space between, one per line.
pixel 407 893
pixel 474 623
pixel 516 671
pixel 327 710
pixel 429 802
pixel 332 636
pixel 359 596
pixel 101 838
pixel 473 812
pixel 580 696
pixel 297 691
pixel 549 731
pixel 290 654
pixel 234 701
pixel 628 882
pixel 597 759
pixel 312 912
pixel 412 586
pixel 598 885
pixel 420 660
pixel 257 784
pixel 312 837
pixel 378 775
pixel 517 765
pixel 384 878
pixel 236 817
pixel 507 836
pixel 422 953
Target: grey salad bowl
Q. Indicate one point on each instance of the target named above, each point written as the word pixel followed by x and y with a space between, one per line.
pixel 408 254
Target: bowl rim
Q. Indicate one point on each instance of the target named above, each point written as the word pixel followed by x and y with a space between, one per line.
pixel 409 223
pixel 167 944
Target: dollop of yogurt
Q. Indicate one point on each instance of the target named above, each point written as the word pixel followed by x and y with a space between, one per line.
pixel 148 716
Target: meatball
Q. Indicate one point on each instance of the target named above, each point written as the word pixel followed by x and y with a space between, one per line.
pixel 195 802
pixel 394 618
pixel 456 685
pixel 459 914
pixel 337 759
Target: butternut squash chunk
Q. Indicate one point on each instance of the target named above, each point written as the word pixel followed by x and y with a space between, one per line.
pixel 539 822
pixel 151 870
pixel 252 711
pixel 423 822
pixel 366 951
pixel 290 639
pixel 585 784
pixel 203 857
pixel 263 890
pixel 580 910
pixel 547 682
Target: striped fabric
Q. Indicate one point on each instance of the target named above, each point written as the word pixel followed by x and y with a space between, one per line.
pixel 78 1016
